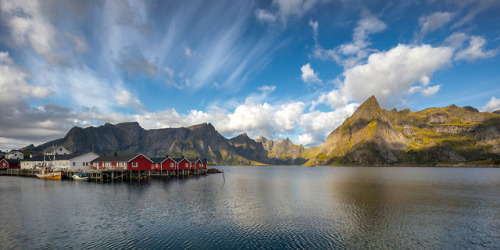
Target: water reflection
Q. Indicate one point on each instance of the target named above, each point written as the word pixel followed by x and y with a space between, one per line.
pixel 259 207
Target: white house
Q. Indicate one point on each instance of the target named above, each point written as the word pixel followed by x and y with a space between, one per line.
pixel 74 161
pixel 15 155
pixel 56 150
pixel 66 162
pixel 34 162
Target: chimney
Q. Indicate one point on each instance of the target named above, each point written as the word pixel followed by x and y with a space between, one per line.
pixel 116 154
pixel 166 156
pixel 182 157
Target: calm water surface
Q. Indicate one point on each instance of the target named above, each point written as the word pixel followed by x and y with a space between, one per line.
pixel 260 207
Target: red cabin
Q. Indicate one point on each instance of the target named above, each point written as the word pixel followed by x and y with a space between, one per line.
pixel 197 163
pixel 9 163
pixel 124 162
pixel 138 163
pixel 164 163
pixel 184 164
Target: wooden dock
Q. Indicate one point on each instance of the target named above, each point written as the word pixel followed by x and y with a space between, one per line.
pixel 104 175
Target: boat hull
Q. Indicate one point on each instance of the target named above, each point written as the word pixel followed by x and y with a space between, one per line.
pixel 50 176
pixel 76 178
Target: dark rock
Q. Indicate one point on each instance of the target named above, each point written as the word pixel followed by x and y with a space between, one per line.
pixel 471 109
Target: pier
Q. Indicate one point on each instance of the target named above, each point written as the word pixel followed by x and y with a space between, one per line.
pixel 103 175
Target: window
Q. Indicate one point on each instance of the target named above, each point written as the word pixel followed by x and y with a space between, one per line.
pixel 74 164
pixel 171 165
pixel 187 165
pixel 134 164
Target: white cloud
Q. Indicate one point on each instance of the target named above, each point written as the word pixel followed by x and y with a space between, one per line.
pixel 335 99
pixel 308 74
pixel 314 26
pixel 14 85
pixel 391 73
pixel 492 105
pixel 288 116
pixel 366 26
pixel 350 54
pixel 434 21
pixel 264 16
pixel 188 52
pixel 28 25
pixel 427 92
pixel 267 89
pixel 285 10
pixel 126 99
pixel 316 125
pixel 170 72
pixel 475 50
pixel 456 40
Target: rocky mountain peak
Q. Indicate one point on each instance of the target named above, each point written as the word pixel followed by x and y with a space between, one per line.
pixel 367 111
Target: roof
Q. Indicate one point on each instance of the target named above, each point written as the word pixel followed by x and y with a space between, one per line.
pixel 11 160
pixel 177 159
pixel 158 159
pixel 14 151
pixel 52 148
pixel 194 160
pixel 51 157
pixel 117 158
pixel 37 158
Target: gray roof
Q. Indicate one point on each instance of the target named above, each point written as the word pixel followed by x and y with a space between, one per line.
pixel 37 158
pixel 193 160
pixel 158 159
pixel 52 148
pixel 177 159
pixel 117 158
pixel 11 160
pixel 51 157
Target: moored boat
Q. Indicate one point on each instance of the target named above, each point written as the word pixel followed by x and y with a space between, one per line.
pixel 81 177
pixel 50 175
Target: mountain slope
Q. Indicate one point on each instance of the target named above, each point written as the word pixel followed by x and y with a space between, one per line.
pixel 284 151
pixel 195 141
pixel 449 135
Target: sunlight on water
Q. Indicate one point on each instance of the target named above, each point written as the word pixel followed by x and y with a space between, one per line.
pixel 259 207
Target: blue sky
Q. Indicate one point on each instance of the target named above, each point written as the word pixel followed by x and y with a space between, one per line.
pixel 277 68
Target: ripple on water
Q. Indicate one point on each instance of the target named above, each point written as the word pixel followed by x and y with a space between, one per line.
pixel 272 207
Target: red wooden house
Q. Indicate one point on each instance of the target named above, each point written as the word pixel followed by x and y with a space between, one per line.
pixel 183 164
pixel 196 163
pixel 166 163
pixel 137 162
pixel 9 163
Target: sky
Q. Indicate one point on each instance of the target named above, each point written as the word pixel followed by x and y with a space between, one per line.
pixel 277 68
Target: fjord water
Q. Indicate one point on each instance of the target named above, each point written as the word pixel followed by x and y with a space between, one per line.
pixel 260 207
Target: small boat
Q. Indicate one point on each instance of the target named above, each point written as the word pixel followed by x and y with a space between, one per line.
pixel 50 175
pixel 81 177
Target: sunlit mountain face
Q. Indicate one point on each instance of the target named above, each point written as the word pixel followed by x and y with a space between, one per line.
pixel 277 69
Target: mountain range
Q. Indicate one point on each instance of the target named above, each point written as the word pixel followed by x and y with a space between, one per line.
pixel 371 136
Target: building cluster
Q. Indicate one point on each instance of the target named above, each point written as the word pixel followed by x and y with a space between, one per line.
pixel 61 158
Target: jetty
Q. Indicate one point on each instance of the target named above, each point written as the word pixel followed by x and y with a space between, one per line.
pixel 106 175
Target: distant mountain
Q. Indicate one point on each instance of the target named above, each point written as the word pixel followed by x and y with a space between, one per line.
pixel 450 135
pixel 284 151
pixel 196 141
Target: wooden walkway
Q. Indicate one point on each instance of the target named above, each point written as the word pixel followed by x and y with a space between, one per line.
pixel 104 175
